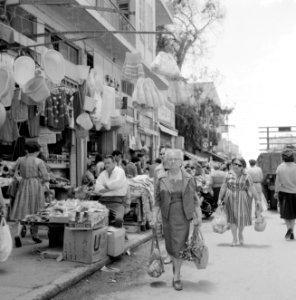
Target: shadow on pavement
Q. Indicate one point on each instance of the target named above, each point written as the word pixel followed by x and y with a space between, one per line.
pixel 204 286
pixel 158 284
pixel 245 246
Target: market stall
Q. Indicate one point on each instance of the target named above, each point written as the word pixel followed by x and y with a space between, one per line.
pixel 142 201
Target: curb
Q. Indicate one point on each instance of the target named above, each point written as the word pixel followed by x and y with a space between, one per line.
pixel 67 280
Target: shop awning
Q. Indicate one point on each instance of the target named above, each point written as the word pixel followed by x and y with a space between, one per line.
pixel 168 130
pixel 196 157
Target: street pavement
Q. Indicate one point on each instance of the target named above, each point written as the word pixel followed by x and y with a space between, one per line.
pixel 264 268
pixel 28 275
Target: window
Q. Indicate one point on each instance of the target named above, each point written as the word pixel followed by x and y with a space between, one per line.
pixel 127 87
pixel 149 25
pixel 70 52
pixel 142 21
pixel 124 6
pixel 90 60
pixel 22 21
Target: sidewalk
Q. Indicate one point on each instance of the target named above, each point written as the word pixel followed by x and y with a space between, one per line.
pixel 26 275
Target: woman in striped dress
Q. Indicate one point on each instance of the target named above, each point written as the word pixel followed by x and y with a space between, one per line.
pixel 237 193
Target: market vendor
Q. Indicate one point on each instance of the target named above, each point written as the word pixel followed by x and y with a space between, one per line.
pixel 112 185
pixel 89 176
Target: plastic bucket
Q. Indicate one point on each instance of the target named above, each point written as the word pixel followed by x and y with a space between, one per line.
pixel 23 70
pixel 37 89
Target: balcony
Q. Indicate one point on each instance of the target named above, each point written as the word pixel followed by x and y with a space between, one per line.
pixel 116 20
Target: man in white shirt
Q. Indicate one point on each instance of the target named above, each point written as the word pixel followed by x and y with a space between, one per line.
pixel 112 185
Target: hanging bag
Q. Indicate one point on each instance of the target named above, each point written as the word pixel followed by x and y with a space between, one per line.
pixel 260 222
pixel 5 240
pixel 155 264
pixel 200 250
pixel 220 223
pixel 196 250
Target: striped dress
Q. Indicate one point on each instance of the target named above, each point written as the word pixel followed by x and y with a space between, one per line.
pixel 237 199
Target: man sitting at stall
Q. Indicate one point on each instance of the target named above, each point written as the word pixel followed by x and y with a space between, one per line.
pixel 112 185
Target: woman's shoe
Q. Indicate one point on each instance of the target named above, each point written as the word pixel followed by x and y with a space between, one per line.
pixel 177 285
pixel 288 234
pixel 234 244
pixel 17 242
pixel 36 240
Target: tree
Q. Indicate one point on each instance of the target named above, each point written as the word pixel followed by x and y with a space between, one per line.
pixel 193 20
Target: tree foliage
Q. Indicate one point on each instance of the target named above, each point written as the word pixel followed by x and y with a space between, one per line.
pixel 193 19
pixel 200 122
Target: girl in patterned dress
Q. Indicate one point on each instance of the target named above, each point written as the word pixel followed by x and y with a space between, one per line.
pixel 237 193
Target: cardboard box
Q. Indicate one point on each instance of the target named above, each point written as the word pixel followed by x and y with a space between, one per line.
pixel 86 246
pixel 116 238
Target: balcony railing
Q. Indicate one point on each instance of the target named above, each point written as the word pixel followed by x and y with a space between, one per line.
pixel 116 20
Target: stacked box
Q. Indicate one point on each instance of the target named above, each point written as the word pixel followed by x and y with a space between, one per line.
pixel 85 245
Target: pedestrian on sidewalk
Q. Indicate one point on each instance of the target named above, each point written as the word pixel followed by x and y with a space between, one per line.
pixel 237 193
pixel 216 180
pixel 158 171
pixel 30 196
pixel 285 191
pixel 176 199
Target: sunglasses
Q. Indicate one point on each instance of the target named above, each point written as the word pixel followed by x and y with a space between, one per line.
pixel 238 165
pixel 188 167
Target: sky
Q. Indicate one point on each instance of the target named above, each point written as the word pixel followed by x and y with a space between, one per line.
pixel 255 53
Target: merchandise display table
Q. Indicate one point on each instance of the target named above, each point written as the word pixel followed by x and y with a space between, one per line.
pixel 55 232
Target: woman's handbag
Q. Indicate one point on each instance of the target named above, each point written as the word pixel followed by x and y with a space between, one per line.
pixel 5 240
pixel 155 264
pixel 220 223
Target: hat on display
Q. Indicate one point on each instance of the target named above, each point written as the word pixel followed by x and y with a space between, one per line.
pixel 6 86
pixel 53 63
pixel 2 115
pixel 37 89
pixel 23 70
pixel 84 121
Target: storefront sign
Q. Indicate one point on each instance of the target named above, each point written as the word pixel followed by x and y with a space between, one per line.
pixel 164 115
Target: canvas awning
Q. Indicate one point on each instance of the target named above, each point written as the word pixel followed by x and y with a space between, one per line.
pixel 168 130
pixel 199 158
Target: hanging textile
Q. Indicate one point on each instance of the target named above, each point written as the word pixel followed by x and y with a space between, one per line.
pixel 108 106
pixel 132 67
pixel 34 122
pixel 19 110
pixel 56 113
pixel 146 95
pixel 9 131
pixel 165 64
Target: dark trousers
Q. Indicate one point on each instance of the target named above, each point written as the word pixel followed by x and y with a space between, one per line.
pixel 216 191
pixel 116 209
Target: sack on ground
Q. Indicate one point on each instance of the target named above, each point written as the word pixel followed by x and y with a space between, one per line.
pixel 260 223
pixel 196 250
pixel 220 223
pixel 5 240
pixel 155 263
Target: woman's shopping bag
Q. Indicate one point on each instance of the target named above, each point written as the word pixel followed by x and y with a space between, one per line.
pixel 155 264
pixel 220 223
pixel 196 250
pixel 5 240
pixel 260 223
